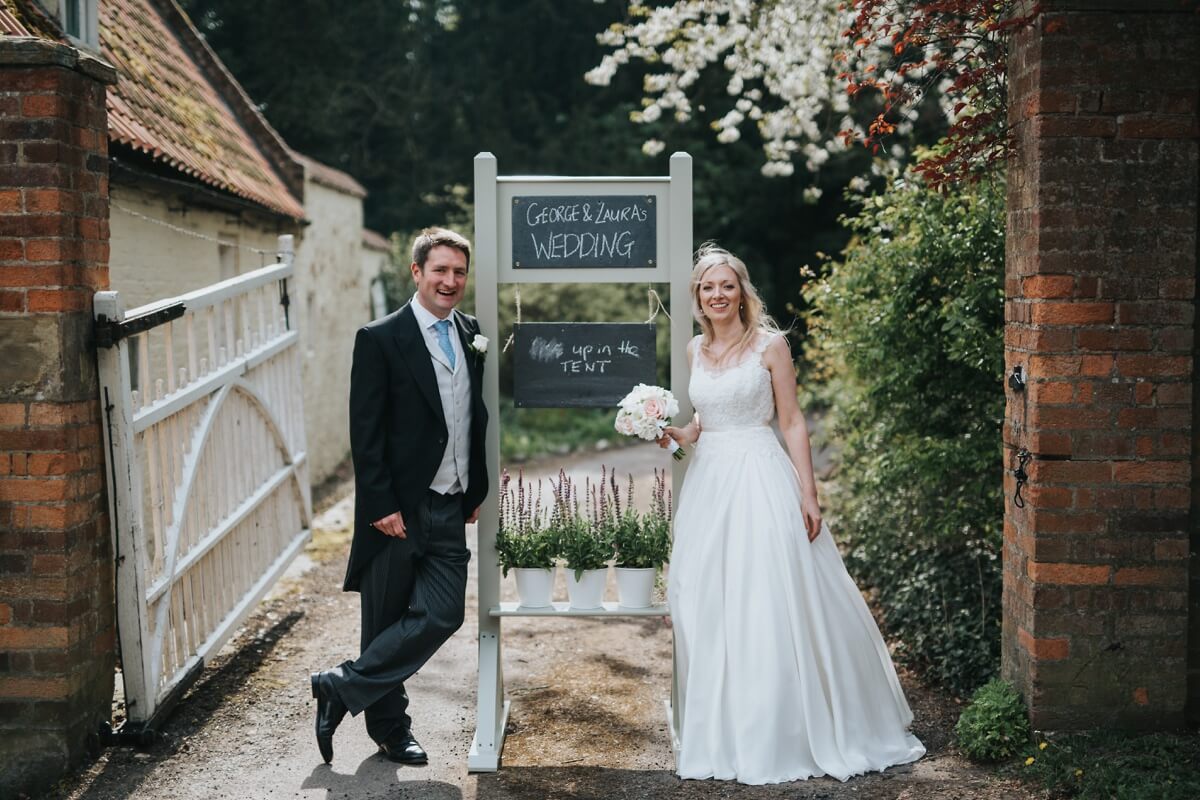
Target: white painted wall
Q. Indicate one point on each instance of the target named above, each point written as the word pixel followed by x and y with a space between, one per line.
pixel 149 261
pixel 331 295
pixel 151 258
pixel 332 302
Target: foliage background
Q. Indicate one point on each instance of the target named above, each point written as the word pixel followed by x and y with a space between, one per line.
pixel 403 95
pixel 907 325
pixel 907 331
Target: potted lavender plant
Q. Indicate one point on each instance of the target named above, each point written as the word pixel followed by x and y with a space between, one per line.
pixel 524 543
pixel 642 544
pixel 583 547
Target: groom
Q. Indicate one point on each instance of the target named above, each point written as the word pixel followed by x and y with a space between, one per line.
pixel 417 421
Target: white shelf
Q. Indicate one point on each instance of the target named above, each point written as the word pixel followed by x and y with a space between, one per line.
pixel 564 609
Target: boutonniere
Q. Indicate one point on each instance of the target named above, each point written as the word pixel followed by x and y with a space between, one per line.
pixel 479 344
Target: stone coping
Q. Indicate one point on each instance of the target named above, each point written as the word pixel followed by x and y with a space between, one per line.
pixel 31 51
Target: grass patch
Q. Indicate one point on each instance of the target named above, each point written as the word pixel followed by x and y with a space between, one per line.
pixel 527 433
pixel 329 543
pixel 1111 765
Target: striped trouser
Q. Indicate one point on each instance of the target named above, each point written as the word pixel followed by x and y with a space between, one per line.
pixel 413 596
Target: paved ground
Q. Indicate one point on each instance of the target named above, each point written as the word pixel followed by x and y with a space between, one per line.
pixel 587 716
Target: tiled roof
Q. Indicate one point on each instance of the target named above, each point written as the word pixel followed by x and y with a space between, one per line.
pixel 25 18
pixel 375 241
pixel 10 24
pixel 165 104
pixel 329 177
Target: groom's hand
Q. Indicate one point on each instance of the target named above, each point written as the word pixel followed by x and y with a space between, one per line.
pixel 391 525
pixel 474 516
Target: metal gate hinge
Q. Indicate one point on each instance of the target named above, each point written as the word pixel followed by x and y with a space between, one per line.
pixel 109 332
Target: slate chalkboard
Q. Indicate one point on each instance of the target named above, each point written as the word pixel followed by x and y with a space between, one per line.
pixel 580 364
pixel 584 231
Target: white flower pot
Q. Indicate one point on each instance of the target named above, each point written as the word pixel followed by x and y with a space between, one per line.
pixel 635 586
pixel 588 591
pixel 534 586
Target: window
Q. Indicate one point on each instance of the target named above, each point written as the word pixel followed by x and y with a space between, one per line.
pixel 79 20
pixel 72 24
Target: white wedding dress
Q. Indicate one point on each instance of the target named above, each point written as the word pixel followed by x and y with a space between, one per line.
pixel 782 672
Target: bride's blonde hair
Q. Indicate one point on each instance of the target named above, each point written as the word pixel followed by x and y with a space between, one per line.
pixel 752 312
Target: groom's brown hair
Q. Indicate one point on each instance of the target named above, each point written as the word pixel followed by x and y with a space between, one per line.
pixel 433 237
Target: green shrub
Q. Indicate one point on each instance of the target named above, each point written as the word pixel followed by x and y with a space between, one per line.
pixel 907 332
pixel 1114 764
pixel 943 601
pixel 994 726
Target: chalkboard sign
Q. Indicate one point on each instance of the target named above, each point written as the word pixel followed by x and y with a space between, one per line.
pixel 584 231
pixel 580 364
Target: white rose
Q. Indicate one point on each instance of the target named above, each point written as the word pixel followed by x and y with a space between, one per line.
pixel 646 428
pixel 480 343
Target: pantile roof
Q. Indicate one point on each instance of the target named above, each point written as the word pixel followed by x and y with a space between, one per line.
pixel 329 177
pixel 25 18
pixel 176 102
pixel 374 240
pixel 167 105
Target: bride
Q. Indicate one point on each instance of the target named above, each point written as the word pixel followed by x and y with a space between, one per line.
pixel 782 673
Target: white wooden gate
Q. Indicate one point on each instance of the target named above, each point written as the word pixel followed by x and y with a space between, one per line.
pixel 208 484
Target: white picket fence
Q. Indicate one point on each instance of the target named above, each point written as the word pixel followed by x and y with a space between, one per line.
pixel 208 482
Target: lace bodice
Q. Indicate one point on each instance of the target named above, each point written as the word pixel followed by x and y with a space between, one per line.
pixel 738 396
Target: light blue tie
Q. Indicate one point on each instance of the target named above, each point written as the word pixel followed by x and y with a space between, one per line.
pixel 442 326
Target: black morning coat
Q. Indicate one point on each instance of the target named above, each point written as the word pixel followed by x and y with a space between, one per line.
pixel 398 429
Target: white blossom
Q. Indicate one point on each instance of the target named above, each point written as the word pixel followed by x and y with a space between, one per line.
pixel 781 48
pixel 773 169
pixel 653 147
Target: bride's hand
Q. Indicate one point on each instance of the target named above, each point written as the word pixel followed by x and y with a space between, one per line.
pixel 682 436
pixel 812 519
pixel 670 432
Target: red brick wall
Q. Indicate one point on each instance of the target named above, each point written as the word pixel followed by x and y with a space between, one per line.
pixel 56 595
pixel 1100 279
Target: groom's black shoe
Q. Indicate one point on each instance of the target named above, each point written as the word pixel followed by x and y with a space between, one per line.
pixel 404 749
pixel 330 712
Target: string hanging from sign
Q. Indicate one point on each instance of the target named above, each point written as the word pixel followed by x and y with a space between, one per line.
pixel 656 304
pixel 653 300
pixel 517 295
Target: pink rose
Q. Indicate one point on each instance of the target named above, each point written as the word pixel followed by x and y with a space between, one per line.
pixel 624 425
pixel 653 408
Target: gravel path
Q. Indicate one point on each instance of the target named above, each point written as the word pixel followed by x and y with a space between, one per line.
pixel 587 715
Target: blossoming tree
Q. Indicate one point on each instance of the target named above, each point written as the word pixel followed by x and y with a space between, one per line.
pixel 799 70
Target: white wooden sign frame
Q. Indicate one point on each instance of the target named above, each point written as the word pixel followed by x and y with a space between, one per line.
pixel 493 265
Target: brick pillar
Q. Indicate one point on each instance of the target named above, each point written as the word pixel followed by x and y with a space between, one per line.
pixel 56 594
pixel 1100 279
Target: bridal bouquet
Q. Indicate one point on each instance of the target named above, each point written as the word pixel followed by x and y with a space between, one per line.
pixel 645 412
